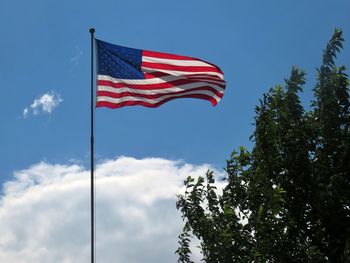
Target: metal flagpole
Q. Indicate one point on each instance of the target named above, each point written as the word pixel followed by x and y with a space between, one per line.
pixel 92 31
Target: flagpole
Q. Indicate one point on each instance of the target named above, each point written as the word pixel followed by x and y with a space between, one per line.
pixel 92 31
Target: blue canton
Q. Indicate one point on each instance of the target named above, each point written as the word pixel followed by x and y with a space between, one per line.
pixel 118 62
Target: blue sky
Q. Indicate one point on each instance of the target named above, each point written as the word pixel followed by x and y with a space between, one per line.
pixel 45 49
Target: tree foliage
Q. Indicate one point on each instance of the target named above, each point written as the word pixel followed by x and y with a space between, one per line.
pixel 288 199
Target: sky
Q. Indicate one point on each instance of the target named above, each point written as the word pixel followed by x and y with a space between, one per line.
pixel 142 154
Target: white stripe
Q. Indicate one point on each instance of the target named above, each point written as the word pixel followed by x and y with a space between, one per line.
pixel 204 76
pixel 154 80
pixel 158 91
pixel 176 62
pixel 208 79
pixel 198 77
pixel 179 73
pixel 154 101
pixel 138 81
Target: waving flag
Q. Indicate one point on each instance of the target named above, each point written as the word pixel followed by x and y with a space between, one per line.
pixel 128 76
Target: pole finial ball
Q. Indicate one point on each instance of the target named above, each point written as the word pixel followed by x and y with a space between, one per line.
pixel 92 30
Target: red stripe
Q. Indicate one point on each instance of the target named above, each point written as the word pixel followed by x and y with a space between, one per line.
pixel 157 95
pixel 150 105
pixel 196 75
pixel 155 74
pixel 173 56
pixel 163 85
pixel 206 78
pixel 155 54
pixel 200 77
pixel 179 68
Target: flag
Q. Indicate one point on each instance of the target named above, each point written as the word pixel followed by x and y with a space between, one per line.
pixel 128 76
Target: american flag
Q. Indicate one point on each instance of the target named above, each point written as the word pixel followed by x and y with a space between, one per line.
pixel 128 76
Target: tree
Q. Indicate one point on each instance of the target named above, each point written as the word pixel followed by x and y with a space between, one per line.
pixel 288 199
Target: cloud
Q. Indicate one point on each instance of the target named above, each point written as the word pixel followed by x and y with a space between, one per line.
pixel 76 56
pixel 44 104
pixel 45 210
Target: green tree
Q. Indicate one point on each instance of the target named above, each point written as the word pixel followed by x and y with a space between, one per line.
pixel 287 200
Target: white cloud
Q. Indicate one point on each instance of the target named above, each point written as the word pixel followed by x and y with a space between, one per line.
pixel 76 56
pixel 44 104
pixel 44 212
